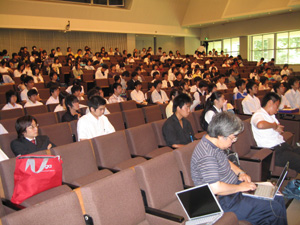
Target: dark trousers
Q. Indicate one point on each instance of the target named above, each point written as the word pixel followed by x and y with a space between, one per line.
pixel 254 210
pixel 285 152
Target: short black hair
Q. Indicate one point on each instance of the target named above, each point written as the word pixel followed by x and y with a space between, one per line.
pixel 70 99
pixel 250 85
pixel 53 88
pixel 137 83
pixel 9 94
pixel 202 84
pixel 270 96
pixel 196 79
pixel 174 92
pixel 239 82
pixel 291 81
pixel 52 74
pixel 263 79
pixel 32 92
pixel 116 78
pixel 156 83
pixel 62 96
pixel 105 66
pixel 164 74
pixel 276 86
pixel 28 79
pixel 75 88
pixel 96 101
pixel 22 123
pixel 133 74
pixel 180 100
pixel 116 85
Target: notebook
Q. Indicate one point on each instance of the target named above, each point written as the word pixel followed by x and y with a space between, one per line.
pixel 200 205
pixel 268 192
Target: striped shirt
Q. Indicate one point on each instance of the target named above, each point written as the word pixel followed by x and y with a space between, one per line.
pixel 209 164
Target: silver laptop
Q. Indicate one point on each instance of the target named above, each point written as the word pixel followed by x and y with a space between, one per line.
pixel 200 205
pixel 268 192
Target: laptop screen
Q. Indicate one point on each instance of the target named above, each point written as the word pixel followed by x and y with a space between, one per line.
pixel 198 201
pixel 282 176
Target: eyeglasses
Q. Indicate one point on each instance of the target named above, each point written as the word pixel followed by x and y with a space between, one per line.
pixel 32 127
pixel 234 139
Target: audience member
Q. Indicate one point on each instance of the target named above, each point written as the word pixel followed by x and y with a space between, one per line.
pixel 221 83
pixel 53 80
pixel 293 94
pixel 279 89
pixel 251 103
pixel 240 85
pixel 169 109
pixel 72 106
pixel 11 99
pixel 137 95
pixel 76 90
pixel 159 96
pixel 134 78
pixel 54 95
pixel 61 106
pixel 115 98
pixel 32 99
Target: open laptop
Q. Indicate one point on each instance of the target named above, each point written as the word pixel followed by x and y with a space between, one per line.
pixel 200 205
pixel 268 192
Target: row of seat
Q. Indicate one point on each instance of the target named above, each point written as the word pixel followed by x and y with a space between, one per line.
pixel 158 189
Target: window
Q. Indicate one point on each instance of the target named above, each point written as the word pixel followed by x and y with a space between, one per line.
pixel 284 47
pixel 229 46
pixel 118 3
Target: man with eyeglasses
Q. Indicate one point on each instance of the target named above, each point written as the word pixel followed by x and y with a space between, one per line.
pixel 29 140
pixel 94 123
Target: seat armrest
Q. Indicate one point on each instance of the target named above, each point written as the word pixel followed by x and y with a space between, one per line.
pixel 259 156
pixel 187 186
pixel 165 215
pixel 72 186
pixel 11 205
pixel 249 159
pixel 111 169
pixel 146 157
pixel 255 148
pixel 162 146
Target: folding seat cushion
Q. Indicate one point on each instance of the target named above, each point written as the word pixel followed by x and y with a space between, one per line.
pixel 36 110
pixel 11 113
pixel 5 140
pixel 142 141
pixel 152 113
pixel 122 202
pixel 59 134
pixel 60 210
pixel 112 151
pixel 79 164
pixel 133 117
pixel 116 119
pixel 127 105
pixel 7 168
pixel 45 119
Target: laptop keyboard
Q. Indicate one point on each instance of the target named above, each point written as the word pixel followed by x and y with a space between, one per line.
pixel 205 220
pixel 263 190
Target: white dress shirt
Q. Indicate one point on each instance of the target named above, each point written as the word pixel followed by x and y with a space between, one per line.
pixel 137 96
pixel 31 104
pixel 293 97
pixel 10 106
pixel 221 86
pixel 52 100
pixel 101 75
pixel 165 83
pixel 115 99
pixel 250 104
pixel 162 97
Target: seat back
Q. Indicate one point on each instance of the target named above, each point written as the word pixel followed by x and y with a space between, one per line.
pixel 196 116
pixel 44 93
pixel 122 202
pixel 60 114
pixel 238 106
pixel 133 117
pixel 36 110
pixel 183 157
pixel 157 127
pixel 45 119
pixel 160 179
pixel 163 110
pixel 59 134
pixel 152 113
pixel 5 140
pixel 127 105
pixel 51 107
pixel 141 139
pixel 73 125
pixel 111 149
pixel 116 119
pixel 50 212
pixel 9 124
pixel 191 119
pixel 11 113
pixel 7 169
pixel 78 160
pixel 114 107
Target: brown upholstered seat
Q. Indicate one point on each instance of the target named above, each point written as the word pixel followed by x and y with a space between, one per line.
pixel 114 107
pixel 51 107
pixel 11 113
pixel 152 113
pixel 79 163
pixel 9 124
pixel 5 140
pixel 157 128
pixel 59 210
pixel 133 117
pixel 127 105
pixel 59 134
pixel 116 119
pixel 197 133
pixel 112 151
pixel 142 141
pixel 36 110
pixel 45 119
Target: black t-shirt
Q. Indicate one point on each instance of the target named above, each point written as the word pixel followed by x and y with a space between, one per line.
pixel 68 117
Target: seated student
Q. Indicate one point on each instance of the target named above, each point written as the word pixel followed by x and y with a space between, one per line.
pixel 75 82
pixel 89 65
pixel 209 164
pixel 134 78
pixel 279 89
pixel 72 105
pixel 293 94
pixel 96 91
pixel 197 72
pixel 54 92
pixel 177 130
pixel 172 72
pixel 251 103
pixel 240 85
pixel 115 98
pixel 264 83
pixel 178 81
pixel 53 80
pixel 37 75
pixel 32 99
pixel 159 96
pixel 154 69
pixel 211 88
pixel 285 70
pixel 166 83
pixel 102 72
pixel 156 76
pixel 61 106
pixel 253 75
pixel 267 133
pixel 201 90
pixel 169 109
pixel 76 90
pixel 29 140
pixel 276 75
pixel 220 84
pixel 11 99
pixel 6 79
pixel 77 71
pixel 260 63
pixel 94 123
pixel 216 103
pixel 196 85
pixel 137 95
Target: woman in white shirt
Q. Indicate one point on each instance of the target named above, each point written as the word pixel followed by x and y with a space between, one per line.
pixel 11 99
pixel 56 65
pixel 137 95
pixel 264 83
pixel 61 106
pixel 27 69
pixel 37 76
pixel 19 71
pixel 4 68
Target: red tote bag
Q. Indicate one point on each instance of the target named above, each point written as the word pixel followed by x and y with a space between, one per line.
pixel 35 174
